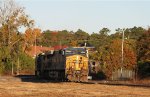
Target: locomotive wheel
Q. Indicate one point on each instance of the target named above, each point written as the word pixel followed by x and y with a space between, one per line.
pixel 38 73
pixel 84 75
pixel 85 78
pixel 76 78
pixel 70 77
pixel 81 79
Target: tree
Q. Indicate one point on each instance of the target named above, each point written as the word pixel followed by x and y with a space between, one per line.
pixel 143 47
pixel 66 37
pixel 117 34
pixel 134 33
pixel 101 39
pixel 45 39
pixel 81 35
pixel 12 18
pixel 73 43
pixel 110 57
pixel 95 39
pixel 104 31
pixel 30 37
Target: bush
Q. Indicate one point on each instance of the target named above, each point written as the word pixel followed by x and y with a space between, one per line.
pixel 27 63
pixel 98 76
pixel 143 70
pixel 1 69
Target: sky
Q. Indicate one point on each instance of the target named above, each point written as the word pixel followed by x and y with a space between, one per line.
pixel 88 15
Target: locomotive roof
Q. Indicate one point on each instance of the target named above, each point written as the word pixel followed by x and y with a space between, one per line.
pixel 68 51
pixel 75 50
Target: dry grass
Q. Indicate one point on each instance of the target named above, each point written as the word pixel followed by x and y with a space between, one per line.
pixel 14 87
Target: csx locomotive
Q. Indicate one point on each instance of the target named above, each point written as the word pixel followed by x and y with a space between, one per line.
pixel 67 64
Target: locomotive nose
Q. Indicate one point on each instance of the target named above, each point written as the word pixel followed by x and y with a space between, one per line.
pixel 79 63
pixel 77 68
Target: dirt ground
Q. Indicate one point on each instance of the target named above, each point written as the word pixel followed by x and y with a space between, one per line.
pixel 27 87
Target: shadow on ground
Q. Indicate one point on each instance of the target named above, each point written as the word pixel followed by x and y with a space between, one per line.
pixel 35 79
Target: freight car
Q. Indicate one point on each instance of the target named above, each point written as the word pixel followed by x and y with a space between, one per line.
pixel 67 64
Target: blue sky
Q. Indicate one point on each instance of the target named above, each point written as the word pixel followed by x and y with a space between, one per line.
pixel 88 15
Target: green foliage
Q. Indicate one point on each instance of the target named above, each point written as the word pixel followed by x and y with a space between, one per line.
pixel 143 47
pixel 144 70
pixel 4 60
pixel 95 40
pixel 1 69
pixel 99 76
pixel 52 38
pixel 104 31
pixel 81 35
pixel 4 53
pixel 26 62
pixel 45 39
pixel 134 33
pixel 143 54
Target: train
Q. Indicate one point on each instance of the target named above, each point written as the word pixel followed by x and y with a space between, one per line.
pixel 69 64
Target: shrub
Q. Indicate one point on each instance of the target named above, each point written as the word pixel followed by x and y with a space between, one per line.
pixel 144 69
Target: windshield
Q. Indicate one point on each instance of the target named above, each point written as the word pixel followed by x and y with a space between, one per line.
pixel 73 51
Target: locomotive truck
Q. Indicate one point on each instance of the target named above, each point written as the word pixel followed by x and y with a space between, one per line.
pixel 67 64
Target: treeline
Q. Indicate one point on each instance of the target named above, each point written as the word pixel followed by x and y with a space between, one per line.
pixel 108 47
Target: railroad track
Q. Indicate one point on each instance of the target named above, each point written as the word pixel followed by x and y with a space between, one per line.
pixel 32 78
pixel 118 83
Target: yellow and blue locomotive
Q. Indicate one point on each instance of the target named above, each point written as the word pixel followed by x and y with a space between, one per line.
pixel 67 64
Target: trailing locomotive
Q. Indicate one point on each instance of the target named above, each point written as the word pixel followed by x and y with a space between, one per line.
pixel 67 64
